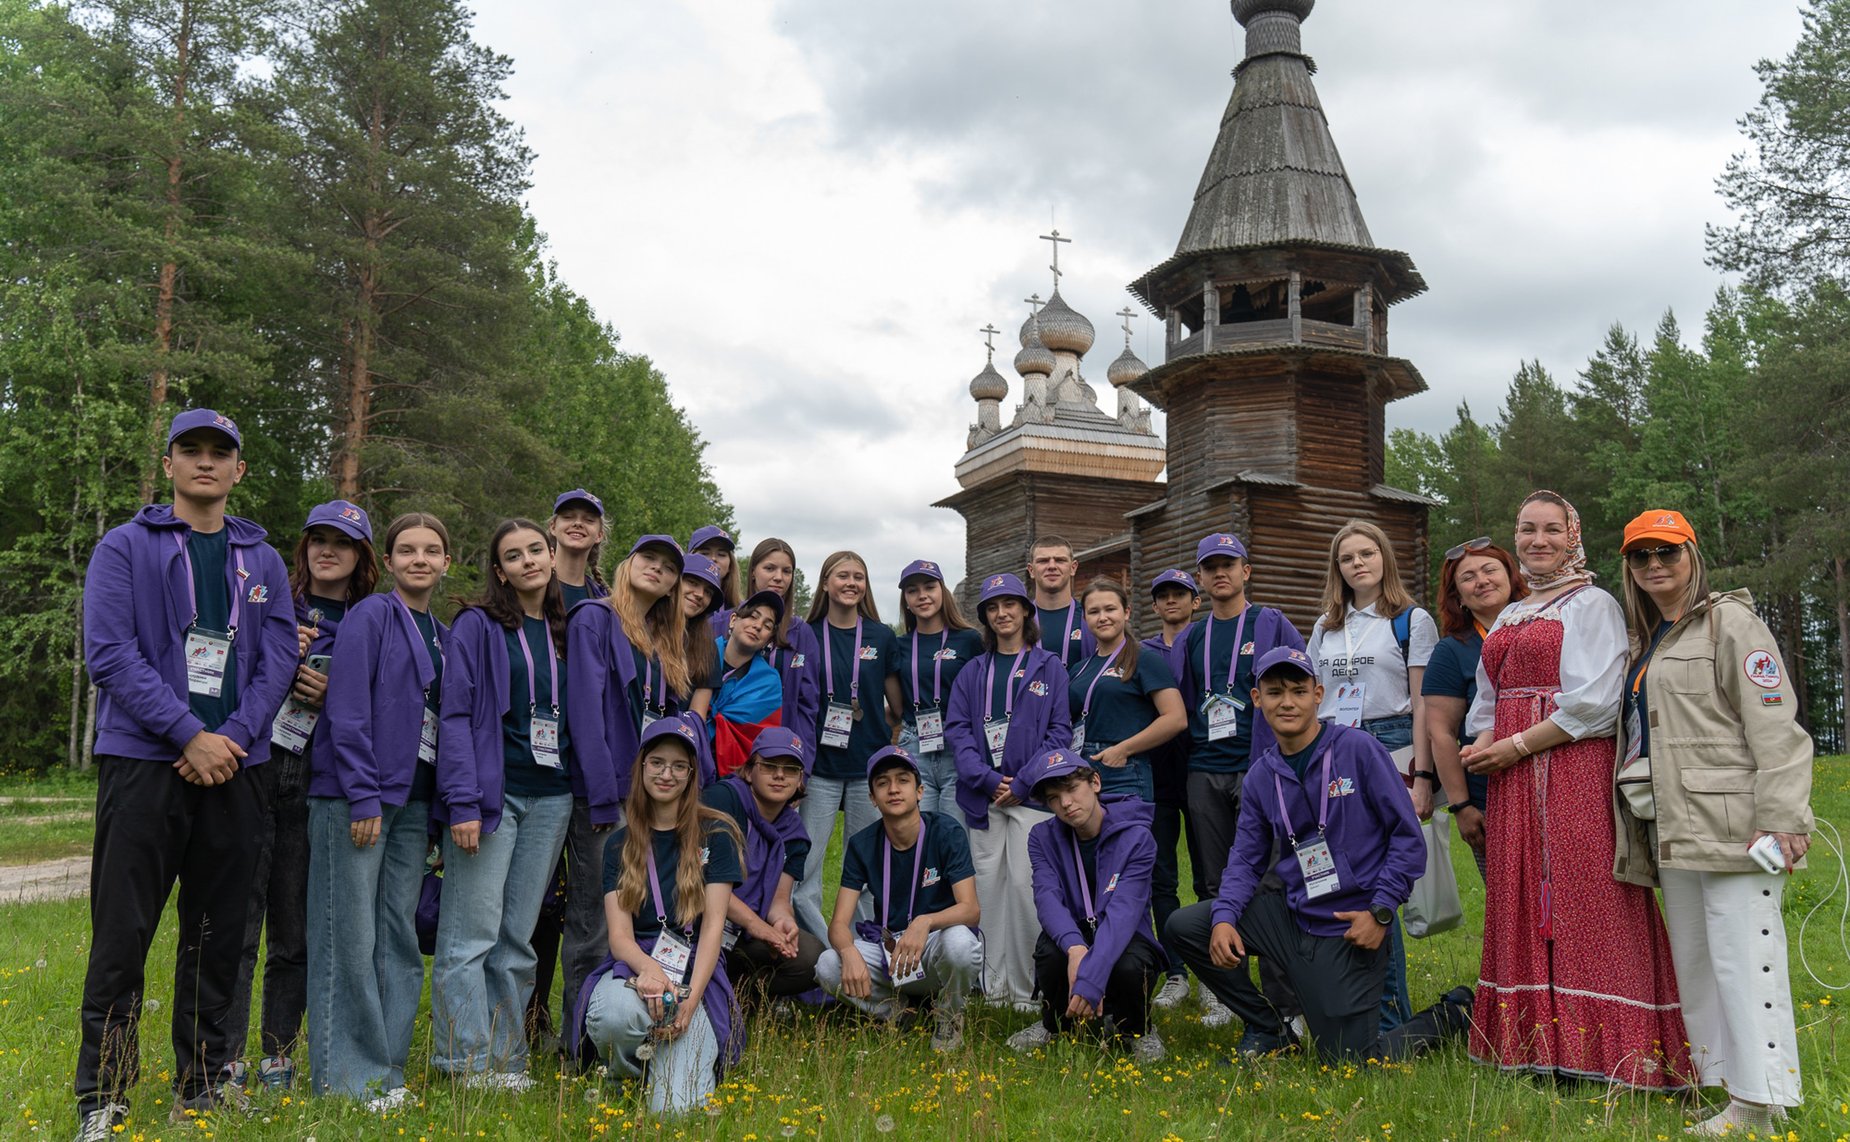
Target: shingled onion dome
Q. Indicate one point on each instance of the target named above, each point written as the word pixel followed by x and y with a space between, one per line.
pixel 1063 328
pixel 1035 357
pixel 1126 369
pixel 989 384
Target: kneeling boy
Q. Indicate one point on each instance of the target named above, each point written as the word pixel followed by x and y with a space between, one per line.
pixel 925 944
pixel 1097 957
pixel 765 950
pixel 1331 800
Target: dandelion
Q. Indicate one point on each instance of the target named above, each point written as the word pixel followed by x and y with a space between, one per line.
pixel 790 1130
pixel 151 1005
pixel 884 1124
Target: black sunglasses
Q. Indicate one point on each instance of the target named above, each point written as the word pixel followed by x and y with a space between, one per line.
pixel 1478 544
pixel 1669 555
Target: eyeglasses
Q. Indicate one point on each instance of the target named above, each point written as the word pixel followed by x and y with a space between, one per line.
pixel 668 765
pixel 1669 555
pixel 1478 544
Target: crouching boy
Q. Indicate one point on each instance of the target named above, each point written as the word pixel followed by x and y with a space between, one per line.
pixel 765 950
pixel 925 944
pixel 1097 958
pixel 1330 800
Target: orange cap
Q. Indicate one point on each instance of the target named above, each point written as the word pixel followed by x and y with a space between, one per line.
pixel 1660 525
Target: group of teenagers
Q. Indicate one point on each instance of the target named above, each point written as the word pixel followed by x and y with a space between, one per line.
pixel 639 777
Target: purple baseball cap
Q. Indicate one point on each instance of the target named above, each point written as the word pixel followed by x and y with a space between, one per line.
pixel 667 543
pixel 1220 543
pixel 1049 765
pixel 194 418
pixel 886 757
pixel 1001 587
pixel 769 599
pixel 1284 658
pixel 697 566
pixel 776 741
pixel 677 726
pixel 919 567
pixel 1179 577
pixel 707 534
pixel 597 505
pixel 348 519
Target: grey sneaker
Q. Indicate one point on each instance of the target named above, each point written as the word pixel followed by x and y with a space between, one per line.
pixel 1214 1013
pixel 947 1033
pixel 394 1099
pixel 1148 1047
pixel 276 1072
pixel 1174 991
pixel 1030 1037
pixel 225 1098
pixel 99 1125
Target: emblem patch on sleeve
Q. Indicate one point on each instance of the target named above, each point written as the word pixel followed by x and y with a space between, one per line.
pixel 1762 669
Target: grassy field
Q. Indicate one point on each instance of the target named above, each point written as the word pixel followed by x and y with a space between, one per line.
pixel 838 1078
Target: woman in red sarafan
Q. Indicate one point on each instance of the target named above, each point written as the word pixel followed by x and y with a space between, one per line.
pixel 1576 978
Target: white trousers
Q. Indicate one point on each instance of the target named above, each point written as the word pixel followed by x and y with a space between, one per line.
pixel 1005 892
pixel 953 960
pixel 681 1075
pixel 1728 942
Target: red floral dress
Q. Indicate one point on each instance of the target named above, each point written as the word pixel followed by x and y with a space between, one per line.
pixel 1576 977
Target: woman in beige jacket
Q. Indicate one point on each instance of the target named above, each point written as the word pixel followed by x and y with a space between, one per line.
pixel 1708 702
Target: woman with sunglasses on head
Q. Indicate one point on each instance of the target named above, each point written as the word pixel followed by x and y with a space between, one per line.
pixel 1575 979
pixel 1712 764
pixel 937 645
pixel 1477 580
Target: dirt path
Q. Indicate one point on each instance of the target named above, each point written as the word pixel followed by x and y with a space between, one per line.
pixel 46 880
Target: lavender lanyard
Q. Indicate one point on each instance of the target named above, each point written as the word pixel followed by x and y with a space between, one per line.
pixel 417 638
pixel 828 662
pixel 192 589
pixel 1066 636
pixel 552 661
pixel 1008 692
pixel 1085 707
pixel 655 891
pixel 654 697
pixel 1323 811
pixel 937 669
pixel 1233 660
pixel 1085 884
pixel 886 875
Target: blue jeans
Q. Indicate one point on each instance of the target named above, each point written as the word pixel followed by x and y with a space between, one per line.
pixel 1134 777
pixel 680 1076
pixel 822 796
pixel 365 973
pixel 484 967
pixel 938 775
pixel 1394 733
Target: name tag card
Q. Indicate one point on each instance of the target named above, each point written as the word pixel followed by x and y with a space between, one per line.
pixel 996 733
pixel 543 735
pixel 1079 738
pixel 1318 865
pixel 427 738
pixel 931 730
pixel 206 655
pixel 674 954
pixel 837 724
pixel 888 942
pixel 293 726
pixel 1223 715
pixel 1349 699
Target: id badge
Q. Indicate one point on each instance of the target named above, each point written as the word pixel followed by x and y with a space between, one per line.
pixel 1319 867
pixel 837 724
pixel 1634 734
pixel 206 652
pixel 888 942
pixel 931 730
pixel 996 733
pixel 1223 718
pixel 294 723
pixel 427 738
pixel 543 735
pixel 730 936
pixel 1349 698
pixel 673 953
pixel 1079 737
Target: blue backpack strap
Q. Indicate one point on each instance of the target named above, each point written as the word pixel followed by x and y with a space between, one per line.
pixel 1403 631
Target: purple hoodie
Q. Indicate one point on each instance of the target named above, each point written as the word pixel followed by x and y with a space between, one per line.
pixel 600 684
pixel 137 604
pixel 374 712
pixel 1040 722
pixel 1372 832
pixel 801 669
pixel 1126 859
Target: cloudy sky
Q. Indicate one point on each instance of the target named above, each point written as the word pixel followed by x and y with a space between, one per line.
pixel 804 210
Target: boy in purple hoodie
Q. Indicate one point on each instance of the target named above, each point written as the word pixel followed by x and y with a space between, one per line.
pixel 1097 957
pixel 189 635
pixel 765 950
pixel 1329 801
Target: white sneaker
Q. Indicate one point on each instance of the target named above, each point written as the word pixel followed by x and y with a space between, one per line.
pixel 516 1082
pixel 1027 1006
pixel 391 1100
pixel 100 1125
pixel 1737 1120
pixel 1214 1013
pixel 1148 1047
pixel 1174 991
pixel 1030 1037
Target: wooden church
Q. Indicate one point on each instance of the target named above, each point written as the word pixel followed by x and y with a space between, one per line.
pixel 1275 375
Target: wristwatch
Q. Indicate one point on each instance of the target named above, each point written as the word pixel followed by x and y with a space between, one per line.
pixel 1427 774
pixel 1454 810
pixel 1383 916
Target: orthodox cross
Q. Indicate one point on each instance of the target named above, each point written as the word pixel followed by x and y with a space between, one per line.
pixel 1034 302
pixel 1126 313
pixel 989 339
pixel 1056 240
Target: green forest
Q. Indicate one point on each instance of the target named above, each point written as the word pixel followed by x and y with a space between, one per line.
pixel 310 217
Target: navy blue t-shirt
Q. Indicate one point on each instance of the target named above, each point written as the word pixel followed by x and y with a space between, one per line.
pixel 947 860
pixel 879 658
pixel 574 595
pixel 1451 672
pixel 1121 707
pixel 722 867
pixel 1007 678
pixel 212 601
pixel 724 796
pixel 948 651
pixel 1300 761
pixel 1063 632
pixel 321 610
pixel 424 777
pixel 524 776
pixel 1230 754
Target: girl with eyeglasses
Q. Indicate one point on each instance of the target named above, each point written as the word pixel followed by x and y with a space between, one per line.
pixel 1712 761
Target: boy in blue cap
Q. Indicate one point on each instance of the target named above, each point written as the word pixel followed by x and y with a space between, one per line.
pixel 190 638
pixel 1097 957
pixel 924 945
pixel 1329 800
